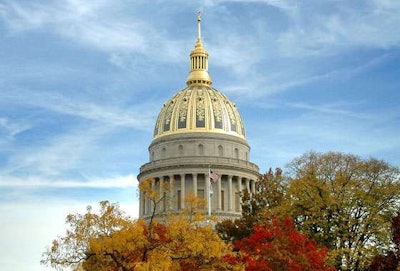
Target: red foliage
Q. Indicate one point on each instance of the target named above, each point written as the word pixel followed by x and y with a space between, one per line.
pixel 396 230
pixel 278 246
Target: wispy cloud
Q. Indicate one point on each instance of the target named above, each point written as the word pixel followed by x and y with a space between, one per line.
pixel 81 21
pixel 51 158
pixel 134 117
pixel 127 181
pixel 13 128
pixel 139 116
pixel 97 25
pixel 259 84
pixel 324 127
pixel 341 26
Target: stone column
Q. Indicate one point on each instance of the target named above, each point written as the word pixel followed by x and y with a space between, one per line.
pixel 253 190
pixel 240 193
pixel 219 193
pixel 140 203
pixel 183 193
pixel 162 201
pixel 194 176
pixel 207 190
pixel 248 185
pixel 151 204
pixel 230 193
pixel 171 193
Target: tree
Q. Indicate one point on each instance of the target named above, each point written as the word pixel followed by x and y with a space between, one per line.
pixel 278 246
pixel 112 241
pixel 344 203
pixel 256 208
pixel 83 231
pixel 390 261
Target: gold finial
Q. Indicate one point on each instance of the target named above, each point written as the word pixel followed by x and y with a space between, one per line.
pixel 198 74
pixel 198 25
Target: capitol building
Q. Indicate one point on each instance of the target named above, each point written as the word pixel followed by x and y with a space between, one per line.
pixel 199 147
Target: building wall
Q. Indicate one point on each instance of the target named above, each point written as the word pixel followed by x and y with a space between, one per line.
pixel 178 157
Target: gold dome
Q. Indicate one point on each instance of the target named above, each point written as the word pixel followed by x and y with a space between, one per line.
pixel 199 107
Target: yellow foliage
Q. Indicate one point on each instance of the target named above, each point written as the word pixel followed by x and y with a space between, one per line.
pixel 111 241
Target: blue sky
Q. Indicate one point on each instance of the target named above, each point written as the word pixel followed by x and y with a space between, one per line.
pixel 82 82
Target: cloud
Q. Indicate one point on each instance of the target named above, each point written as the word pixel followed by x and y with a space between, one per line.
pixel 139 116
pixel 55 155
pixel 281 4
pixel 134 117
pixel 99 25
pixel 12 127
pixel 81 21
pixel 288 77
pixel 340 26
pixel 340 126
pixel 38 182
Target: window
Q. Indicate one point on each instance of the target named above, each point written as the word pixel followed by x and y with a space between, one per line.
pixel 164 206
pixel 144 211
pixel 200 149
pixel 200 193
pixel 220 151
pixel 236 153
pixel 180 150
pixel 179 196
pixel 237 202
pixel 222 200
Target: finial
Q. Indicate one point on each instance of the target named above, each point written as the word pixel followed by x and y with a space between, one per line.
pixel 198 25
pixel 198 74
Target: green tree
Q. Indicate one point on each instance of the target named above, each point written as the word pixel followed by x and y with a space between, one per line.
pixel 343 202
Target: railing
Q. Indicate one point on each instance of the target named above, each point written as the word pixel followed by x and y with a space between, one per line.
pixel 199 160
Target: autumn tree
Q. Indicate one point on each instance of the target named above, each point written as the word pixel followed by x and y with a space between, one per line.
pixel 112 241
pixel 278 246
pixel 343 202
pixel 256 208
pixel 389 261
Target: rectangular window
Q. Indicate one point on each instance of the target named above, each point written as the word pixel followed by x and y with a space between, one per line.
pixel 200 122
pixel 237 202
pixel 222 200
pixel 200 193
pixel 179 196
pixel 164 207
pixel 144 205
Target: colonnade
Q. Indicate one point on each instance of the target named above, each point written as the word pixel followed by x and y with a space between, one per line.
pixel 173 190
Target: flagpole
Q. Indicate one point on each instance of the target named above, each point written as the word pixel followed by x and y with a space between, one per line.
pixel 209 191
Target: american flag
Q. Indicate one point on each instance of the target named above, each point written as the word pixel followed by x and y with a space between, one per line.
pixel 213 176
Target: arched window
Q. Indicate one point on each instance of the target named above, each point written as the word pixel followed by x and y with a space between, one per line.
pixel 236 153
pixel 200 148
pixel 220 151
pixel 180 150
pixel 163 153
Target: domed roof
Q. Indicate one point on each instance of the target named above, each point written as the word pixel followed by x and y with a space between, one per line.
pixel 199 107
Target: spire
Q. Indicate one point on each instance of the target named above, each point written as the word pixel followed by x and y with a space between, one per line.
pixel 198 74
pixel 198 26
